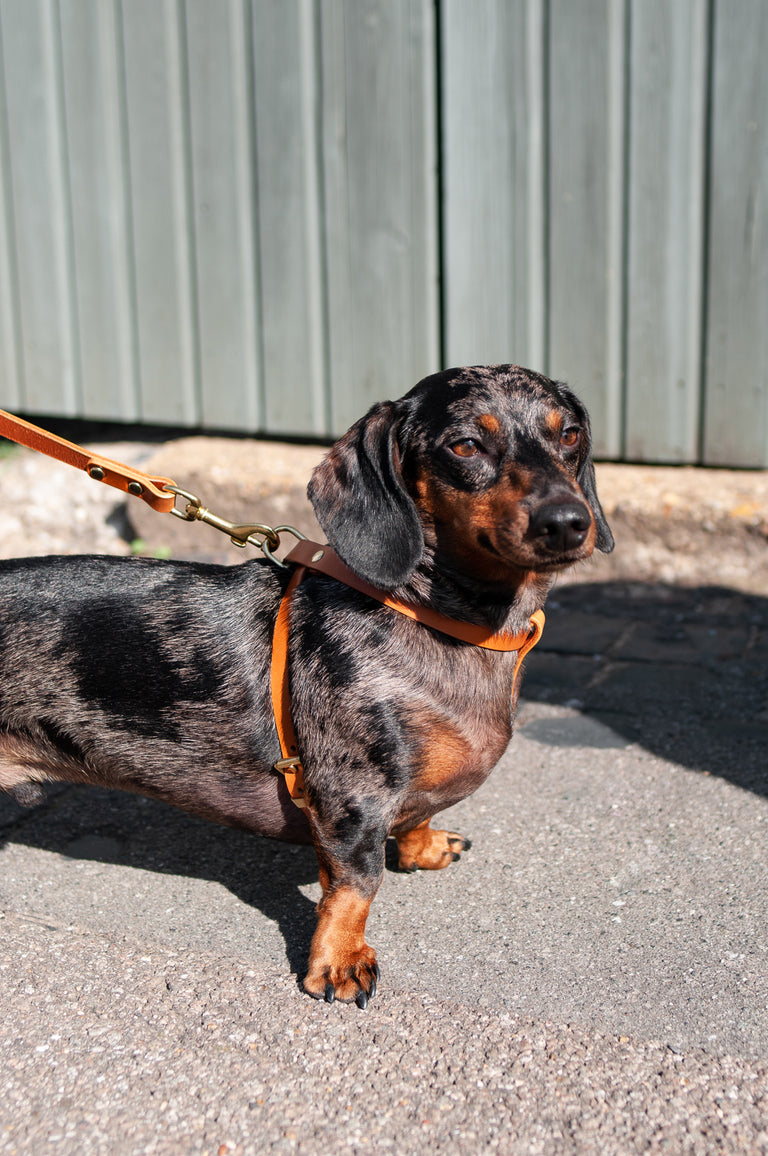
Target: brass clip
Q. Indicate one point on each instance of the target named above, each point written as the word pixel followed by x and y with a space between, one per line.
pixel 265 538
pixel 239 534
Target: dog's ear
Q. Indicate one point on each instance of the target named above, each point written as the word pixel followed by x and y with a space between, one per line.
pixel 362 505
pixel 586 479
pixel 586 473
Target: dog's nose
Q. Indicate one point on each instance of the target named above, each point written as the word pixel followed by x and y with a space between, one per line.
pixel 561 527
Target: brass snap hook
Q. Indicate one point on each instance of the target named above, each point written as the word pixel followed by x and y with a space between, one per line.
pixel 265 538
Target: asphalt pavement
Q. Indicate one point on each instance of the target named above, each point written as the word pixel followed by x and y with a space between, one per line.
pixel 592 976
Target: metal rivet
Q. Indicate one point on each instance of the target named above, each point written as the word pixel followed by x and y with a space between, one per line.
pixel 97 473
pixel 317 555
pixel 135 488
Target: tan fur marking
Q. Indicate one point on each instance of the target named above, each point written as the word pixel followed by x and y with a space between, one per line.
pixel 489 423
pixel 339 954
pixel 25 760
pixel 444 756
pixel 554 421
pixel 426 849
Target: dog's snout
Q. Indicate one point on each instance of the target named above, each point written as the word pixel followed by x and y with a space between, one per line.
pixel 561 527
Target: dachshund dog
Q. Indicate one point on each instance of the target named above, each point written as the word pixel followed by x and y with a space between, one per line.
pixel 468 495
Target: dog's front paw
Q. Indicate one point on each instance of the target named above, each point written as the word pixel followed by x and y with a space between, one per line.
pixel 428 850
pixel 350 977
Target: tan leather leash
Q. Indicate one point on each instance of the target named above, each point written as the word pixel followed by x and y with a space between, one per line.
pixel 154 491
pixel 313 556
pixel 161 493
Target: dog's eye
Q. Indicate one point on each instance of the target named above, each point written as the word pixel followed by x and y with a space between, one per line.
pixel 570 437
pixel 466 448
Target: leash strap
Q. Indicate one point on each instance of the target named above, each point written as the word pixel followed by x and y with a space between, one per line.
pixel 122 477
pixel 313 556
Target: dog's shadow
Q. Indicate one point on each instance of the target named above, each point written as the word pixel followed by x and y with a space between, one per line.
pixel 88 823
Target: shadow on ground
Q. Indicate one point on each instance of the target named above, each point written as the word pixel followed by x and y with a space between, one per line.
pixel 88 823
pixel 682 671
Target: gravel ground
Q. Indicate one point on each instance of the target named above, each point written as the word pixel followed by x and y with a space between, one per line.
pixel 114 1027
pixel 591 978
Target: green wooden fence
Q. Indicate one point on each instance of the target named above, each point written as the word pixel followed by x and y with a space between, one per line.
pixel 264 215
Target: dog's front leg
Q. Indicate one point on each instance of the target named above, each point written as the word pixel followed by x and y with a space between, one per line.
pixel 341 964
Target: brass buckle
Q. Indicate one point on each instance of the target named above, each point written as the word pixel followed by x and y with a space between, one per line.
pixel 283 765
pixel 290 764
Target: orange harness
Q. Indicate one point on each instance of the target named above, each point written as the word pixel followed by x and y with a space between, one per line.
pixel 312 556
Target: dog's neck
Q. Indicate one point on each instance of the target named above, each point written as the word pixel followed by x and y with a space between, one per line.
pixel 506 608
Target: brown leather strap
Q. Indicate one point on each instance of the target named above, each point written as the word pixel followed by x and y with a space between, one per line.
pixel 326 561
pixel 122 477
pixel 312 555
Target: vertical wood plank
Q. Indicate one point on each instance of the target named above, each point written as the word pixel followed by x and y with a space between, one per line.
pixel 494 200
pixel 586 164
pixel 40 206
pixel 286 55
pixel 736 402
pixel 11 354
pixel 103 286
pixel 155 80
pixel 380 199
pixel 668 112
pixel 223 184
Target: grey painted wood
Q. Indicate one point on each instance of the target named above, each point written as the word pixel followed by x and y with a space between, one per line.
pixel 289 208
pixel 227 213
pixel 223 220
pixel 40 209
pixel 736 397
pixel 380 199
pixel 667 151
pixel 161 213
pixel 587 71
pixel 103 290
pixel 11 345
pixel 494 181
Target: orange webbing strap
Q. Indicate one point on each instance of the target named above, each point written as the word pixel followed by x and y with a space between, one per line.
pixel 537 629
pixel 290 764
pixel 122 477
pixel 313 556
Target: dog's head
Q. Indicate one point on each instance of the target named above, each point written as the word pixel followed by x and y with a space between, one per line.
pixel 489 467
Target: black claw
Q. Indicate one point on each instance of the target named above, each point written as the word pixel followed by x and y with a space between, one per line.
pixel 362 1000
pixel 376 972
pixel 464 844
pixel 330 993
pixel 372 992
pixel 455 856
